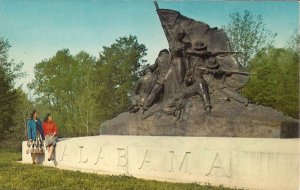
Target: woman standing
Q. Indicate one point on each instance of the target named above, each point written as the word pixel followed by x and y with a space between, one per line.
pixel 34 130
pixel 50 129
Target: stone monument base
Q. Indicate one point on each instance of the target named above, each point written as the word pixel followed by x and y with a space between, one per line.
pixel 227 119
pixel 260 163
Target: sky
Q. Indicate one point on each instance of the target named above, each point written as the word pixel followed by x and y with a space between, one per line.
pixel 37 29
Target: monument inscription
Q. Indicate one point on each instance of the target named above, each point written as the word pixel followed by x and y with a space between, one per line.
pixel 175 161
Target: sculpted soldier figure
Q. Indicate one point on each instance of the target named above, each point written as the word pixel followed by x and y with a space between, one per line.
pixel 142 90
pixel 221 75
pixel 161 65
pixel 177 49
pixel 196 85
pixel 198 57
pixel 209 68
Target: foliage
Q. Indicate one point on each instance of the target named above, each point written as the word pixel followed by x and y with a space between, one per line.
pixel 294 41
pixel 26 176
pixel 118 68
pixel 9 71
pixel 276 83
pixel 247 34
pixel 18 132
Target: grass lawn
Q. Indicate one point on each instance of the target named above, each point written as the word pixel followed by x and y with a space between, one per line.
pixel 15 175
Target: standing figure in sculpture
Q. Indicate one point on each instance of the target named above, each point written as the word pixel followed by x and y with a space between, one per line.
pixel 174 80
pixel 177 49
pixel 161 65
pixel 197 57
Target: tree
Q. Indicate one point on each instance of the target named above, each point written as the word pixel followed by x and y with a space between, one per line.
pixel 86 96
pixel 18 131
pixel 276 83
pixel 294 41
pixel 118 68
pixel 9 71
pixel 23 108
pixel 247 34
pixel 65 87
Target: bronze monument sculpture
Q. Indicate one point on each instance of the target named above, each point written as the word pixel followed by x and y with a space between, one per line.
pixel 192 89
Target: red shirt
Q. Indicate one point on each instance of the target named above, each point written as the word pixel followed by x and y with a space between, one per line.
pixel 50 128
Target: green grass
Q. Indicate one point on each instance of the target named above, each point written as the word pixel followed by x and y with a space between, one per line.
pixel 15 175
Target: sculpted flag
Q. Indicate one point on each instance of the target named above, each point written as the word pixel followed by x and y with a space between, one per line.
pixel 214 39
